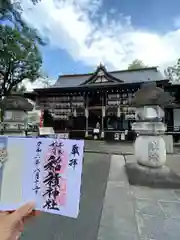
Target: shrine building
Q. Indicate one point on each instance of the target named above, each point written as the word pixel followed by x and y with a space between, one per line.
pixel 80 102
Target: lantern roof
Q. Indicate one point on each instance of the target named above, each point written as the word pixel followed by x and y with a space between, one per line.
pixel 16 102
pixel 150 94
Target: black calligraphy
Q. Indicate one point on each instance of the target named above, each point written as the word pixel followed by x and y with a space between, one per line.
pixel 36 171
pixel 153 151
pixel 74 156
pixel 52 168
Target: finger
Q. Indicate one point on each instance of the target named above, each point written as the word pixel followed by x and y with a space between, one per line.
pixel 20 226
pixel 32 214
pixel 22 212
pixel 3 214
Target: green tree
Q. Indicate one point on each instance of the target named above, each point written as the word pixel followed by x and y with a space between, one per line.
pixel 11 9
pixel 173 72
pixel 136 64
pixel 19 59
pixel 10 12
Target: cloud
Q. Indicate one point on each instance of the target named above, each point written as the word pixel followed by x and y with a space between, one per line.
pixel 39 83
pixel 78 27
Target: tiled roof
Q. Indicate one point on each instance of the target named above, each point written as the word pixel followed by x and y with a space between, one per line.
pixel 127 76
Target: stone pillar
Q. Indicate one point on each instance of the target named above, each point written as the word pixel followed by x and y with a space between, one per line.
pixel 102 121
pixel 75 113
pixel 87 116
pixel 118 112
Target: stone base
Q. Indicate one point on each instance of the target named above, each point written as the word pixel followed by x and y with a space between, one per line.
pixel 161 177
pixel 150 151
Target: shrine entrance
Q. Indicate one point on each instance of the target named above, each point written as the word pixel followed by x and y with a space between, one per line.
pixel 95 116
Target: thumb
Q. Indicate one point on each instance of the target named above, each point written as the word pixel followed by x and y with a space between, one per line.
pixel 22 212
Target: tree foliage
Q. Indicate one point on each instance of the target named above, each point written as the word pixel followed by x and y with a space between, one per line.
pixel 19 59
pixel 136 64
pixel 173 72
pixel 10 9
pixel 10 12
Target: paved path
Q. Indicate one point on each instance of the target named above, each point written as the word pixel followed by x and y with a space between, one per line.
pixel 109 147
pixel 138 213
pixel 54 227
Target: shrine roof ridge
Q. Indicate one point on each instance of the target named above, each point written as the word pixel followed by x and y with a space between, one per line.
pixel 115 71
pixel 92 87
pixel 125 76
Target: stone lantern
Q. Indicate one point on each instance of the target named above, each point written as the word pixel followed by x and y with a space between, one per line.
pixel 149 167
pixel 14 109
pixel 150 148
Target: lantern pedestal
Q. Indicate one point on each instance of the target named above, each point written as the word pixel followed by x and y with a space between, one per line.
pixel 150 149
pixel 161 177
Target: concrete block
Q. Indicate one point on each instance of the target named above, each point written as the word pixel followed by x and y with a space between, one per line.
pixel 149 207
pixel 157 228
pixel 170 208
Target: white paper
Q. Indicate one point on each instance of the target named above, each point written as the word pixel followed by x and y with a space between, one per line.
pixel 63 135
pixel 46 131
pixel 24 176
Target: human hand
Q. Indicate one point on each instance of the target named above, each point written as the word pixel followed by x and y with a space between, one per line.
pixel 12 224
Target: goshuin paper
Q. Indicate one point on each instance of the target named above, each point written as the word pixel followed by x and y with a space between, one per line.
pixel 47 171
